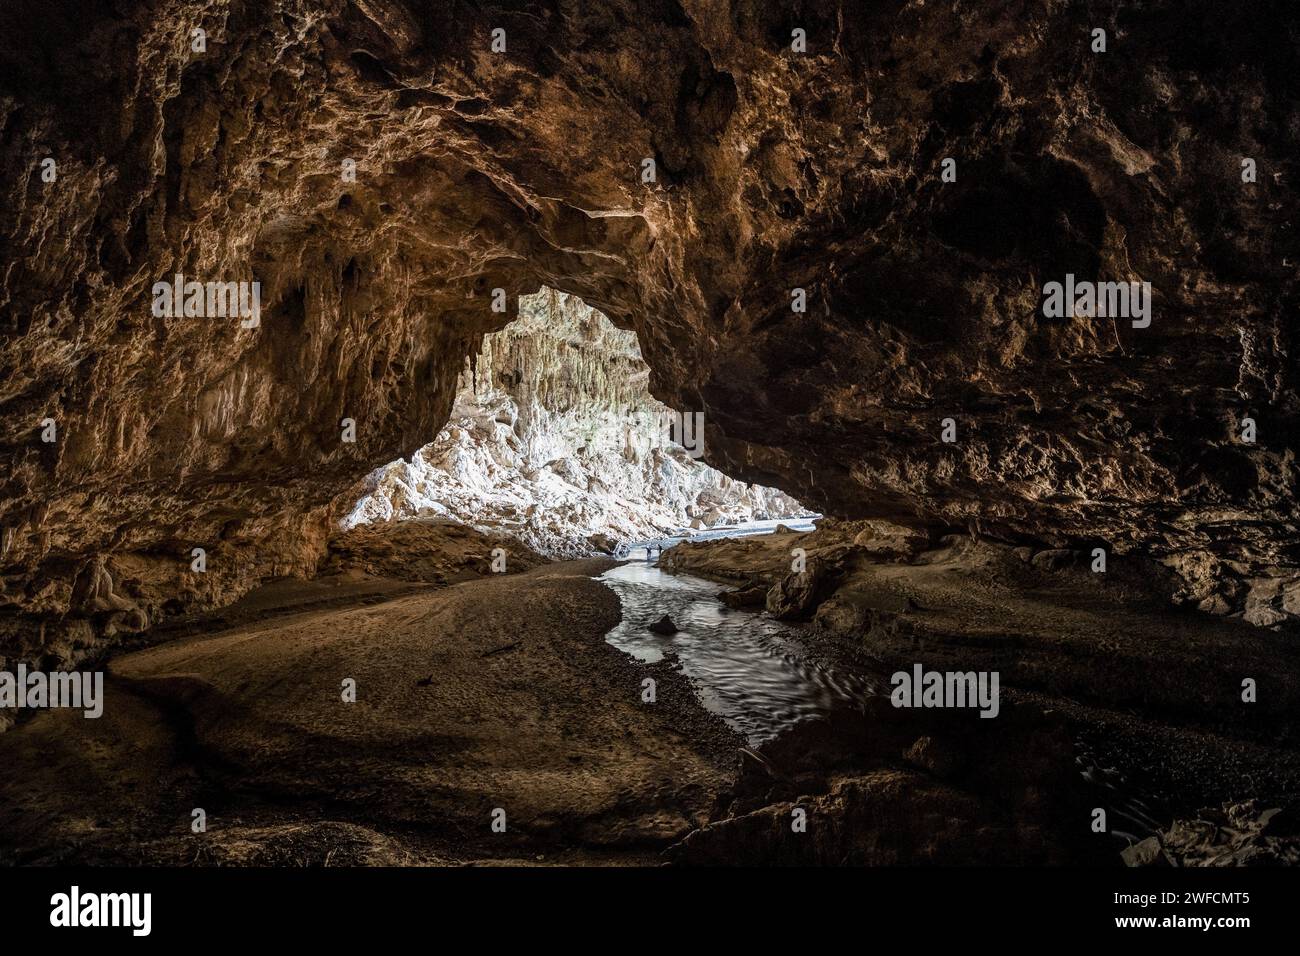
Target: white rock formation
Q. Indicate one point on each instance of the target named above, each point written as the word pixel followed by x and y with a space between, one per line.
pixel 555 440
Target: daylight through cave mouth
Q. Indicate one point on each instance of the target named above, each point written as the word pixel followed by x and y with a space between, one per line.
pixel 555 440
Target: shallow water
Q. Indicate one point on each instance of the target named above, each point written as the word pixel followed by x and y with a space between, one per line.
pixel 746 667
pixel 753 671
pixel 640 550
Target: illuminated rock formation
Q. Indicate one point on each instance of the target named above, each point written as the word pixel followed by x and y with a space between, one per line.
pixel 555 440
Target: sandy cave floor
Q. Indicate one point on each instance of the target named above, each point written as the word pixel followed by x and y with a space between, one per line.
pixel 499 692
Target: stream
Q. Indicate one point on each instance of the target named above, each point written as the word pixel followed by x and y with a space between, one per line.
pixel 747 668
pixel 754 672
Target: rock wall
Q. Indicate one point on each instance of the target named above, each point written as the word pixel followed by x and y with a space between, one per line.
pixel 380 170
pixel 555 441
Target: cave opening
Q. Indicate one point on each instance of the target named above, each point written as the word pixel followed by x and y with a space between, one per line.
pixel 555 440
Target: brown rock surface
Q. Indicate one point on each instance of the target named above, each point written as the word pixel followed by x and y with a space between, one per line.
pixel 1161 688
pixel 433 551
pixel 1239 834
pixel 796 596
pixel 498 692
pixel 478 171
pixel 963 793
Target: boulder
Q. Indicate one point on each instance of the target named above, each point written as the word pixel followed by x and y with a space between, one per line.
pixel 796 596
pixel 936 756
pixel 1236 834
pixel 888 541
pixel 602 543
pixel 750 595
pixel 1148 852
pixel 1054 559
pixel 664 625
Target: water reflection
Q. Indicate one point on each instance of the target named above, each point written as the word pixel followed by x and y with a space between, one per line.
pixel 744 666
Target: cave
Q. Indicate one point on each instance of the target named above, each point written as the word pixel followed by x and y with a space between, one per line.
pixel 555 441
pixel 331 329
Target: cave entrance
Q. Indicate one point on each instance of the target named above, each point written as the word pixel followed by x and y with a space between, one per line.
pixel 555 440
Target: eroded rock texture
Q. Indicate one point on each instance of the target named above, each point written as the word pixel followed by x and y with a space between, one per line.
pixel 775 170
